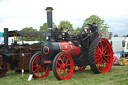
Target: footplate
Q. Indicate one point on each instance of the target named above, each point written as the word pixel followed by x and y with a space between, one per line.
pixel 44 62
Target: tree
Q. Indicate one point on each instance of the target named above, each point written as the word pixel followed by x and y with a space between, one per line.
pixel 66 25
pixel 100 22
pixel 44 27
pixel 77 30
pixel 29 38
pixel 116 35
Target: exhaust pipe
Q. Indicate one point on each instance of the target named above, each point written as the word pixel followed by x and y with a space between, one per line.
pixel 49 23
pixel 6 38
pixel 49 19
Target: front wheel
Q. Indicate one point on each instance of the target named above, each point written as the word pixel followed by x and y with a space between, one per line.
pixel 36 69
pixel 63 66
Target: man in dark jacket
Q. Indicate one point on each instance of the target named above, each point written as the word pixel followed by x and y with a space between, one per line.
pixel 94 26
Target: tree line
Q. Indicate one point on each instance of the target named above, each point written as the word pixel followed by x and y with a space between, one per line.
pixel 102 26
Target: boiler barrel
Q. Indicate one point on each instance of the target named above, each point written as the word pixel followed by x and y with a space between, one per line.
pixel 50 49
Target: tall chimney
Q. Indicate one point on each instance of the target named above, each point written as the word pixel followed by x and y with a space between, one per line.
pixel 6 38
pixel 49 19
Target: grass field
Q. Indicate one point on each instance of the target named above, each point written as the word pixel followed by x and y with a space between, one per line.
pixel 118 75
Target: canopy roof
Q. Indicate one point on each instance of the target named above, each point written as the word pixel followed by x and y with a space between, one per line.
pixel 1 34
pixel 25 33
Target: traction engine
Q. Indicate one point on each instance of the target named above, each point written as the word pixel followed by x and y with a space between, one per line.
pixel 62 52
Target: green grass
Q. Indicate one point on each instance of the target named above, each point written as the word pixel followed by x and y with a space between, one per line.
pixel 118 75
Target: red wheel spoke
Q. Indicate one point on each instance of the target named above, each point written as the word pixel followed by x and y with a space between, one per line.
pixel 97 60
pixel 108 55
pixel 66 73
pixel 97 57
pixel 58 63
pixel 68 64
pixel 60 71
pixel 105 48
pixel 98 63
pixel 99 49
pixel 68 69
pixel 101 45
pixel 36 62
pixel 101 62
pixel 98 54
pixel 58 68
pixel 105 58
pixel 43 69
pixel 36 70
pixel 63 75
pixel 105 51
pixel 67 61
pixel 104 61
pixel 63 58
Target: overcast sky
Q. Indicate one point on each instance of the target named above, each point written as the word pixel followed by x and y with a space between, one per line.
pixel 18 14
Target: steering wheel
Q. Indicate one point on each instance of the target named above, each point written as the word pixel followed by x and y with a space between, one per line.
pixel 84 36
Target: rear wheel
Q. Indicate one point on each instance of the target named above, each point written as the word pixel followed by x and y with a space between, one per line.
pixel 63 66
pixel 3 68
pixel 37 70
pixel 100 55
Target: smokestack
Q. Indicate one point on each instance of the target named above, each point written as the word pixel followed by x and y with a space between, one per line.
pixel 6 38
pixel 49 18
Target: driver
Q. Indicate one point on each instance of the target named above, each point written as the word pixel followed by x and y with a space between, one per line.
pixel 94 26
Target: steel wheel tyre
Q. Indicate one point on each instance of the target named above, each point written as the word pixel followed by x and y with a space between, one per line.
pixel 37 70
pixel 3 69
pixel 76 68
pixel 63 66
pixel 100 55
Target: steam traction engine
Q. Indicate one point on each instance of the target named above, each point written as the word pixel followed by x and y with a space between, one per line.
pixel 61 52
pixel 17 56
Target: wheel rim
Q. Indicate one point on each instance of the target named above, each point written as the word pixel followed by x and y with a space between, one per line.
pixel 64 66
pixel 103 56
pixel 37 70
pixel 3 69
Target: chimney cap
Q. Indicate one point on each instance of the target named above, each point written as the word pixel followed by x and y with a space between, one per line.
pixel 49 9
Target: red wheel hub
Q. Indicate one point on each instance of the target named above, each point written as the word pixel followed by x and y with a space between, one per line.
pixel 62 66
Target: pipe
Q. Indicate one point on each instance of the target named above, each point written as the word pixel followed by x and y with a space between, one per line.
pixel 49 19
pixel 6 38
